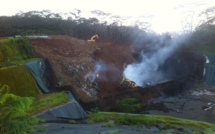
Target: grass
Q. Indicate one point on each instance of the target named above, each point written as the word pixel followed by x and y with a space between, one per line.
pixel 114 132
pixel 149 120
pixel 47 101
pixel 15 49
pixel 15 63
pixel 20 81
pixel 108 124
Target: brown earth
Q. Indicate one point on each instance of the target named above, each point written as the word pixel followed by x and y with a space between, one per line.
pixel 72 60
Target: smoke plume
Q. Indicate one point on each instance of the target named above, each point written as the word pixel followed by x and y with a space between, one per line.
pixel 147 71
pixel 100 72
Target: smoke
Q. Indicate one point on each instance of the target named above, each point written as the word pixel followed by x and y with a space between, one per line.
pixel 147 71
pixel 100 72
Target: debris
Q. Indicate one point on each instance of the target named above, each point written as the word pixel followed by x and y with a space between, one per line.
pixel 126 82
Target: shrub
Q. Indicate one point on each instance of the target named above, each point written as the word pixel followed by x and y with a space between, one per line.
pixel 128 105
pixel 13 117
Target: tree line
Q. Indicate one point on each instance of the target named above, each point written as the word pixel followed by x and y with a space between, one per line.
pixel 46 22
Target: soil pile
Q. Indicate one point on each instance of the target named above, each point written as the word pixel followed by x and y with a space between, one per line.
pixel 90 69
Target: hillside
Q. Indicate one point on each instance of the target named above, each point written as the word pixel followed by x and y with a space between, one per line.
pixel 89 69
pixel 14 52
pixel 93 72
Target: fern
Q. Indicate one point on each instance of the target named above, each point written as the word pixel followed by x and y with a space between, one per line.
pixel 13 117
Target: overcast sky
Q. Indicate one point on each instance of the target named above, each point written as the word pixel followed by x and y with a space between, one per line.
pixel 168 14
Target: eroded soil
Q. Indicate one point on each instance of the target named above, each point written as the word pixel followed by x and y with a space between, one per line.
pixel 92 70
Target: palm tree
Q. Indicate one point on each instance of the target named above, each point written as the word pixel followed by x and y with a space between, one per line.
pixel 13 118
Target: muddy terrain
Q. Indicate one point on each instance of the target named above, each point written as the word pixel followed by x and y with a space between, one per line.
pixel 91 70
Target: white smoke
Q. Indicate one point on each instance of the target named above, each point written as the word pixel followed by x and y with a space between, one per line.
pixel 147 71
pixel 99 71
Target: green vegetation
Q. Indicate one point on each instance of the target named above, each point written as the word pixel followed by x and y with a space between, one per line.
pixel 45 22
pixel 19 79
pixel 108 124
pixel 207 131
pixel 94 110
pixel 15 51
pixel 46 101
pixel 149 120
pixel 72 121
pixel 114 132
pixel 128 105
pixel 202 39
pixel 13 116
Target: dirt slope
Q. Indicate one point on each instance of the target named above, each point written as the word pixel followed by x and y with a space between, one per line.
pixel 92 70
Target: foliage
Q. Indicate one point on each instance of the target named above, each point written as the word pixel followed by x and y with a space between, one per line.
pixel 114 132
pixel 149 120
pixel 128 105
pixel 95 110
pixel 202 39
pixel 168 133
pixel 13 117
pixel 19 79
pixel 15 50
pixel 208 15
pixel 209 131
pixel 108 124
pixel 45 22
pixel 72 121
pixel 46 101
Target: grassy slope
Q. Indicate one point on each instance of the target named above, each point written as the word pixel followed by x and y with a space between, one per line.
pixel 149 120
pixel 47 101
pixel 18 51
pixel 14 53
pixel 20 81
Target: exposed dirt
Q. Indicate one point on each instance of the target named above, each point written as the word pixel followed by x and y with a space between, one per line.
pixel 93 71
pixel 73 62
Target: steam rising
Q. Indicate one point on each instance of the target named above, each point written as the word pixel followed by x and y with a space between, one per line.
pixel 100 70
pixel 147 71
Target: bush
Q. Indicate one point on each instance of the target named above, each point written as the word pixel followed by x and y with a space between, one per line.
pixel 13 116
pixel 128 105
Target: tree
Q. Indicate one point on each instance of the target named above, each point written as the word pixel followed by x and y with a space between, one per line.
pixel 13 116
pixel 208 15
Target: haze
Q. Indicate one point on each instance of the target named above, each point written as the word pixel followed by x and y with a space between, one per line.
pixel 165 15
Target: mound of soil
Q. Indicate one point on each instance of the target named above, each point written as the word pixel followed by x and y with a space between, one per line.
pixel 90 69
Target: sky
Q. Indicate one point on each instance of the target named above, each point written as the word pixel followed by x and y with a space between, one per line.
pixel 166 15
